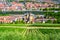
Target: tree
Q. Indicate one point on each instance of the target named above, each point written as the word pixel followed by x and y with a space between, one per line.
pixel 10 0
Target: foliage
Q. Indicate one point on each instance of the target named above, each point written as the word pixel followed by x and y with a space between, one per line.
pixel 47 14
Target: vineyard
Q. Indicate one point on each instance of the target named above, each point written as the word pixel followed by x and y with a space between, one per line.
pixel 29 34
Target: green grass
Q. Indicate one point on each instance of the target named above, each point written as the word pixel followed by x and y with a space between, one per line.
pixel 32 25
pixel 14 32
pixel 29 34
pixel 45 25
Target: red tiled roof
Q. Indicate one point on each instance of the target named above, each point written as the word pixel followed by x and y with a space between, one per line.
pixel 14 3
pixel 2 5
